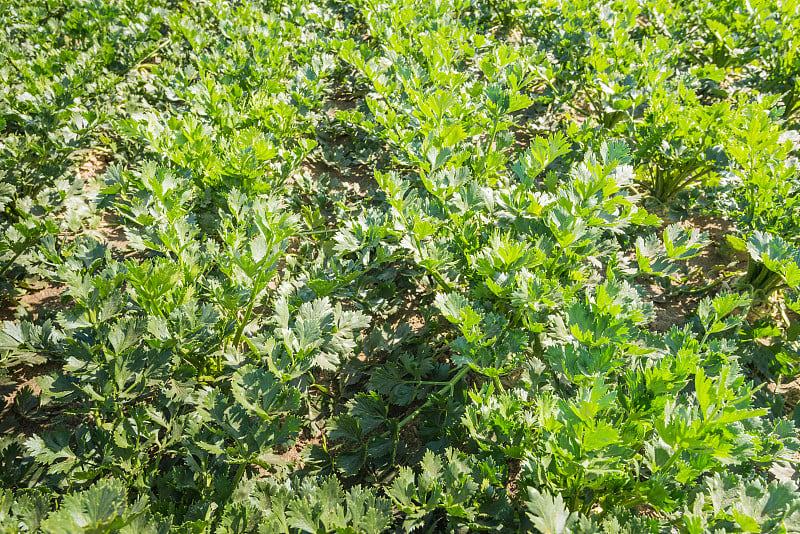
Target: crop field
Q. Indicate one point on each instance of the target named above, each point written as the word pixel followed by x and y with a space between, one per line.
pixel 387 266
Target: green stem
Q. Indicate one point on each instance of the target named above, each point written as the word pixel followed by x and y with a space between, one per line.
pixel 238 477
pixel 681 182
pixel 790 104
pixel 448 387
pixel 598 110
pixel 163 43
pixel 498 384
pixel 672 459
pixel 626 504
pixel 504 20
pixel 460 241
pixel 699 290
pixel 16 68
pixel 432 271
pixel 633 501
pixel 10 262
pixel 495 122
pixel 440 280
pixel 246 318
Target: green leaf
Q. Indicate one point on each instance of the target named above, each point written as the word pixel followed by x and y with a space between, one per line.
pixel 681 244
pixel 103 508
pixel 549 514
pixel 451 305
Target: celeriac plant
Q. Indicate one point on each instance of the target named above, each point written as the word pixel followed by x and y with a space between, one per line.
pixel 375 278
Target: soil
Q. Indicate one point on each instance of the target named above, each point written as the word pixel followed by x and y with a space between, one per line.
pixel 47 297
pixel 21 378
pixel 790 392
pixel 717 257
pixel 44 296
pixel 409 437
pixel 358 177
pixel 672 313
pixel 416 322
pixel 354 172
pixel 294 455
pixel 716 262
pixel 112 233
pixel 94 164
pixel 514 470
pixel 26 377
pixel 109 230
pixel 645 510
pixel 406 314
pixel 8 309
pixel 333 105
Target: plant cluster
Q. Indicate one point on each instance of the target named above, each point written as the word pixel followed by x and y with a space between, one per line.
pixel 394 265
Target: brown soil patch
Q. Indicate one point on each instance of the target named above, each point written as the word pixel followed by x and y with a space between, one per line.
pixel 409 437
pixel 294 456
pixel 407 314
pixel 44 295
pixel 358 177
pixel 331 106
pixel 288 460
pixel 522 140
pixel 534 121
pixel 93 165
pixel 715 262
pixel 790 392
pixel 416 322
pixel 645 510
pixel 514 467
pixel 337 154
pixel 8 309
pixel 717 258
pixel 407 310
pixel 672 312
pixel 109 230
pixel 49 296
pixel 25 377
pixel 113 233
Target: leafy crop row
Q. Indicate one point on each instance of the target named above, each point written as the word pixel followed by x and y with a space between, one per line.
pixel 395 265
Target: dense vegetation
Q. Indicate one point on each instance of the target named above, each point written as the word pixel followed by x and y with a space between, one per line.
pixel 395 265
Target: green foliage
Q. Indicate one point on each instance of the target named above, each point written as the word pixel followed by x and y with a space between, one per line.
pixel 392 265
